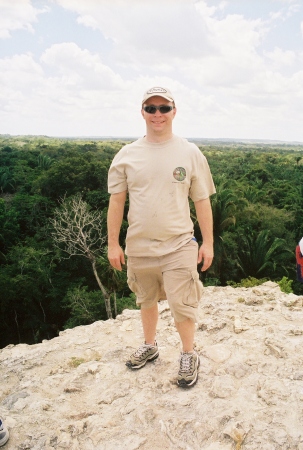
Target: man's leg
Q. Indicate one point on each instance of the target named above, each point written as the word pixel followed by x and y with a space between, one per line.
pixel 145 280
pixel 189 359
pixel 184 290
pixel 149 318
pixel 186 330
pixel 149 350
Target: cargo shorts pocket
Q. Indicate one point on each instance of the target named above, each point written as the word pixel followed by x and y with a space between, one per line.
pixel 134 286
pixel 194 292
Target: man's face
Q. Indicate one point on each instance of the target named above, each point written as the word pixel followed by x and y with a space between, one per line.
pixel 158 123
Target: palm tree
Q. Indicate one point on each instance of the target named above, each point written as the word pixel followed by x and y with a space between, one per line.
pixel 260 255
pixel 44 162
pixel 224 206
pixel 253 194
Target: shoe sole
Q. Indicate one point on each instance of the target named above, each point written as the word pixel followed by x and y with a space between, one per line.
pixel 151 358
pixel 4 440
pixel 183 384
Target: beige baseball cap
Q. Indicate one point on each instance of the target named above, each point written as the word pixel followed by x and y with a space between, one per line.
pixel 158 91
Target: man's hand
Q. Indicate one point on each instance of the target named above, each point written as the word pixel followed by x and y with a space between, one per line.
pixel 116 256
pixel 206 254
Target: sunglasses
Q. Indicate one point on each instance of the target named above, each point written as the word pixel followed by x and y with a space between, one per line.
pixel 164 109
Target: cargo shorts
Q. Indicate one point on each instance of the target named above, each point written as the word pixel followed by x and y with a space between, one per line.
pixel 172 277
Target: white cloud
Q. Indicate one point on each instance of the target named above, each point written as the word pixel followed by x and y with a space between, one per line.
pixel 237 58
pixel 80 67
pixel 20 77
pixel 226 83
pixel 281 58
pixel 150 31
pixel 20 73
pixel 286 12
pixel 81 95
pixel 17 15
pixel 181 35
pixel 88 21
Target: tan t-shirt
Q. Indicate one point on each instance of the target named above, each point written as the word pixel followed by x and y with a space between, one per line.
pixel 159 178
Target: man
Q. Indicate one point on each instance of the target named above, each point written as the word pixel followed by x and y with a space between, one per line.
pixel 159 172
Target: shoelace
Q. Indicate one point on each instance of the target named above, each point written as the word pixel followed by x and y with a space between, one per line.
pixel 141 350
pixel 185 362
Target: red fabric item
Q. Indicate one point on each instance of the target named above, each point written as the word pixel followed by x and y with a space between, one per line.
pixel 299 259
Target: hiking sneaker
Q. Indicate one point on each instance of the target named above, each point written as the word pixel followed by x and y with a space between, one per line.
pixel 4 434
pixel 188 372
pixel 146 352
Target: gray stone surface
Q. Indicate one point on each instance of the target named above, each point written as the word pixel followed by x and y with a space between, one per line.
pixel 75 392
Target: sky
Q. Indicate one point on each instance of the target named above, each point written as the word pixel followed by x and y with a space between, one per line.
pixel 79 68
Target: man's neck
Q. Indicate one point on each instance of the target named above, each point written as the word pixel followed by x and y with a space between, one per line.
pixel 158 138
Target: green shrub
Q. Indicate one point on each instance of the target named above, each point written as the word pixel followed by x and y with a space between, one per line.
pixel 285 285
pixel 248 282
pixel 126 303
pixel 211 282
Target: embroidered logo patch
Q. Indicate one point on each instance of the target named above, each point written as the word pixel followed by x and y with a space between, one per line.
pixel 179 173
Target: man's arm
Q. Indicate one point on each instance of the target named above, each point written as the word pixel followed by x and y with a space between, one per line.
pixel 114 221
pixel 205 219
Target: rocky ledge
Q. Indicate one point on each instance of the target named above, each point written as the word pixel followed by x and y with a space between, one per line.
pixel 75 392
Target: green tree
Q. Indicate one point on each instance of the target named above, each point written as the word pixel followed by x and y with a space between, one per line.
pixel 44 162
pixel 85 306
pixel 25 280
pixel 261 256
pixel 9 226
pixel 7 182
pixel 73 174
pixel 224 206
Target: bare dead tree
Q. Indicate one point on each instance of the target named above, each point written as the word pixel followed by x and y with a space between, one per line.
pixel 78 231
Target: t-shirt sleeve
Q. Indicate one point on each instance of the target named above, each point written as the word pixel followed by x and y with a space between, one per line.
pixel 202 184
pixel 116 176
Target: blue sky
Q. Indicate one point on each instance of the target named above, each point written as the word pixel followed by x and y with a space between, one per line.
pixel 80 67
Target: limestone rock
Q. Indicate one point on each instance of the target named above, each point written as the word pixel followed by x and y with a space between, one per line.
pixel 74 392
